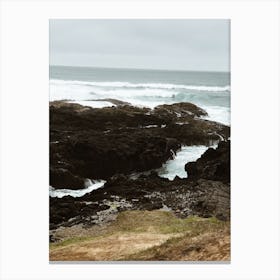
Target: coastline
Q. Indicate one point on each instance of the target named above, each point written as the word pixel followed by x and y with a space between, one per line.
pixel 111 143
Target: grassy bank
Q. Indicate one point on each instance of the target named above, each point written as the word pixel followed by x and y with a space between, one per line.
pixel 150 235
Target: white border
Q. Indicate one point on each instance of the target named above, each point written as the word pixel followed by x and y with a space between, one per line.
pixel 255 138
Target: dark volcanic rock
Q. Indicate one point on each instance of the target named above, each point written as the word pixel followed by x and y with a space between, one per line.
pixel 61 178
pixel 103 155
pixel 111 142
pixel 214 164
pixel 65 209
pixel 196 132
pixel 98 143
pixel 204 198
pixel 180 110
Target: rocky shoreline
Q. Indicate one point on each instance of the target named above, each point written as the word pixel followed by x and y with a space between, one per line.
pixel 113 142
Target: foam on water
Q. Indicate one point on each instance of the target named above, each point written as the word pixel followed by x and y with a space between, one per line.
pixel 176 166
pixel 217 114
pixel 94 104
pixel 214 99
pixel 80 91
pixel 90 185
pixel 142 85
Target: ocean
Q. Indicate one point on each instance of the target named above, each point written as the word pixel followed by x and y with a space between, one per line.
pixel 144 88
pixel 147 88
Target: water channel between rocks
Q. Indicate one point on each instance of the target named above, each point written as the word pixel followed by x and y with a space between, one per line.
pixel 170 169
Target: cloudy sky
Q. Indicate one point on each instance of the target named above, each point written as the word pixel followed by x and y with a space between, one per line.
pixel 201 45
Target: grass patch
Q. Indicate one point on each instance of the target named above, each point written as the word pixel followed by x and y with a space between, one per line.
pixel 69 241
pixel 161 222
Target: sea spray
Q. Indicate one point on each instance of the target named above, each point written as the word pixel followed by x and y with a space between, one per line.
pixel 90 185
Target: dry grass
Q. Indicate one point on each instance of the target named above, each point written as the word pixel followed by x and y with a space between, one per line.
pixel 112 247
pixel 213 246
pixel 150 235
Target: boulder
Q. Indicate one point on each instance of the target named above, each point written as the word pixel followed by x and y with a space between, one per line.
pixel 214 164
pixel 61 178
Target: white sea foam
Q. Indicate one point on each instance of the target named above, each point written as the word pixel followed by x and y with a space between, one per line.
pixel 133 93
pixel 90 185
pixel 63 90
pixel 176 166
pixel 81 92
pixel 211 98
pixel 217 114
pixel 150 126
pixel 141 85
pixel 94 104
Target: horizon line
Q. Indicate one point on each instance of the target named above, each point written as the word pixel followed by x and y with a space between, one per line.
pixel 127 68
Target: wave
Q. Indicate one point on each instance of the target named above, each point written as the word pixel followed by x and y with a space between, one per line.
pixel 217 113
pixel 81 92
pixel 176 166
pixel 215 102
pixel 134 93
pixel 90 185
pixel 129 85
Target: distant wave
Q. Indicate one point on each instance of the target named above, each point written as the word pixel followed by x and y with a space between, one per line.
pixel 60 89
pixel 142 85
pixel 213 99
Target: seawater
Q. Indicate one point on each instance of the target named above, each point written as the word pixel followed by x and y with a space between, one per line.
pixel 90 185
pixel 176 167
pixel 146 88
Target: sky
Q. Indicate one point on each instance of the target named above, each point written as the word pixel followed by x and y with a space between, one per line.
pixel 176 44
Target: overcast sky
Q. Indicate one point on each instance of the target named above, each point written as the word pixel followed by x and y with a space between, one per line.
pixel 201 45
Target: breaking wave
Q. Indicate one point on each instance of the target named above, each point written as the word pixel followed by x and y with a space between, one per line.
pixel 214 99
pixel 141 85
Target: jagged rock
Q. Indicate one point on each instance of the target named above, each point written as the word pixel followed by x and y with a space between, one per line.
pixel 180 110
pixel 61 178
pixel 112 142
pixel 185 197
pixel 99 143
pixel 214 164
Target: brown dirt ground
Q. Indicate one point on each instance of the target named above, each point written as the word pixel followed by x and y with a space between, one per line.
pixel 146 236
pixel 113 247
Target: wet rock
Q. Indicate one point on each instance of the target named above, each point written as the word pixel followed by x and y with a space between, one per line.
pixel 61 178
pixel 112 142
pixel 52 238
pixel 62 210
pixel 99 143
pixel 196 132
pixel 180 110
pixel 214 164
pixel 201 197
pixel 151 206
